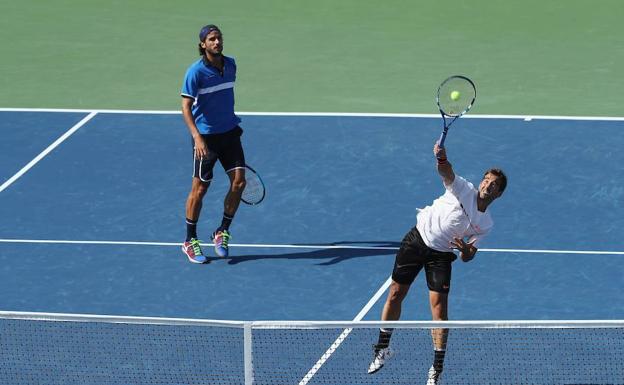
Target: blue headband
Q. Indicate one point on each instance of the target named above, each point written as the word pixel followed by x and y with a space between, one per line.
pixel 206 30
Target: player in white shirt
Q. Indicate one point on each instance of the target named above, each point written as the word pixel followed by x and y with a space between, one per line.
pixel 457 220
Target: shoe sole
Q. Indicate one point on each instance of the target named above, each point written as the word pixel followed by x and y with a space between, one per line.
pixel 376 370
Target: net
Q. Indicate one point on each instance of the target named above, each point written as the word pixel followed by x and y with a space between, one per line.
pixel 36 348
pixel 456 95
pixel 475 355
pixel 56 349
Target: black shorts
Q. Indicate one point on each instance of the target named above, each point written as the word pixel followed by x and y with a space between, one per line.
pixel 226 148
pixel 414 255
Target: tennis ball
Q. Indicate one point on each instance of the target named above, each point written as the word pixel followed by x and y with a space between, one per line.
pixel 454 95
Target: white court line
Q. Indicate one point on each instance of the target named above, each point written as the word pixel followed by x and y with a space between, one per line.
pixel 345 333
pixel 46 151
pixel 361 314
pixel 346 114
pixel 287 246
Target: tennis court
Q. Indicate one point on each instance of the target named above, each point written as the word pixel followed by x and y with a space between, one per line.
pixel 356 184
pixel 95 166
pixel 109 208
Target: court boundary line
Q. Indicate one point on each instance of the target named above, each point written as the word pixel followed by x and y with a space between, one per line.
pixel 526 117
pixel 345 333
pixel 293 246
pixel 45 152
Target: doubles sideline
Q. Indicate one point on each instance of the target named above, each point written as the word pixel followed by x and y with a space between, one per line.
pixel 297 246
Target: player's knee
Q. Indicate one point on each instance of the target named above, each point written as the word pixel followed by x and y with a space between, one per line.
pixel 397 293
pixel 199 189
pixel 238 185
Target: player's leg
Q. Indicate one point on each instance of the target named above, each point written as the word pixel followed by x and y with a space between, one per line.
pixel 438 272
pixel 392 308
pixel 191 246
pixel 202 175
pixel 232 158
pixel 391 311
pixel 407 264
pixel 194 203
pixel 233 196
pixel 439 312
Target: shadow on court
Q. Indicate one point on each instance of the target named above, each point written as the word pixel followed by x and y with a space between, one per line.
pixel 333 255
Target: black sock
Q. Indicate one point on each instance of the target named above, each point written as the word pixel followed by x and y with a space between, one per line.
pixel 191 229
pixel 384 338
pixel 226 221
pixel 438 360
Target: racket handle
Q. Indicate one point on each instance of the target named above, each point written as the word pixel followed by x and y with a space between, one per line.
pixel 442 139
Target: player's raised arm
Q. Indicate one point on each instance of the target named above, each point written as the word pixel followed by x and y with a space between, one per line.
pixel 445 169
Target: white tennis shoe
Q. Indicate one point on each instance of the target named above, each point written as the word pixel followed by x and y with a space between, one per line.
pixel 433 377
pixel 381 355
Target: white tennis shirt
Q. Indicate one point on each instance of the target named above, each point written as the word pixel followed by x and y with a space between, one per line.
pixel 453 215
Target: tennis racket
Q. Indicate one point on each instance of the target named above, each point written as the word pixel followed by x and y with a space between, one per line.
pixel 254 191
pixel 455 97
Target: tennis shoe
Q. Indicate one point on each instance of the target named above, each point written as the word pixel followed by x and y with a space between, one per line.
pixel 221 239
pixel 379 359
pixel 193 251
pixel 433 377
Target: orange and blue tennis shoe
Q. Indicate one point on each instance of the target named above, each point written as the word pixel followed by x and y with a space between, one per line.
pixel 193 251
pixel 221 239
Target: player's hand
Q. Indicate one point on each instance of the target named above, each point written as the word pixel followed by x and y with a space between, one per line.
pixel 439 152
pixel 201 151
pixel 467 250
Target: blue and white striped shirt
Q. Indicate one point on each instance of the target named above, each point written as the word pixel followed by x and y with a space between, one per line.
pixel 213 92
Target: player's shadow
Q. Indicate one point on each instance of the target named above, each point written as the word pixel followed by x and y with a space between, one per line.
pixel 332 256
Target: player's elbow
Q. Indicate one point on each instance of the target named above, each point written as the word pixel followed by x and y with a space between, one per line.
pixel 187 104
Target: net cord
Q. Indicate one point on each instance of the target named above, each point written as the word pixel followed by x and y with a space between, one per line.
pixel 501 324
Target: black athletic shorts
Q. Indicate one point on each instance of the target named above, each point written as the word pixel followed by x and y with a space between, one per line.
pixel 226 148
pixel 414 255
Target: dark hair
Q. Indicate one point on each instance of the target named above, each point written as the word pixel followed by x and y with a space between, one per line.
pixel 500 175
pixel 203 33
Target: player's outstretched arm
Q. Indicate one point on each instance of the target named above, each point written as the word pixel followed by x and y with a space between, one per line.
pixel 445 169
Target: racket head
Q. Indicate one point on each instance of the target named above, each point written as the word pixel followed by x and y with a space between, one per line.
pixel 456 95
pixel 254 191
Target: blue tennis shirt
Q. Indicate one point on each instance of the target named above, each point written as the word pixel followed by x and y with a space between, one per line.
pixel 213 109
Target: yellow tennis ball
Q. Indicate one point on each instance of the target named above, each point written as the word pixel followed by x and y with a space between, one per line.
pixel 454 95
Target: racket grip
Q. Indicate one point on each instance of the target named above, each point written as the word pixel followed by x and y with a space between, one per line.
pixel 442 139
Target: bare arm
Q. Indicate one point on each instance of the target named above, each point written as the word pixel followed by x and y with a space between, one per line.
pixel 200 147
pixel 445 169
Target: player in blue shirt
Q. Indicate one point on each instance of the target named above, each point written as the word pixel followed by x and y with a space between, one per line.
pixel 208 111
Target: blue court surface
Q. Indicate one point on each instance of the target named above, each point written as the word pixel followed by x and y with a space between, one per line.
pixel 92 215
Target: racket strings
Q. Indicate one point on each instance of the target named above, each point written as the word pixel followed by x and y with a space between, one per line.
pixel 455 96
pixel 254 189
